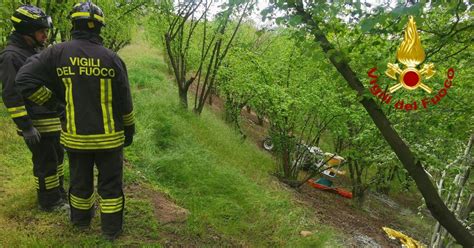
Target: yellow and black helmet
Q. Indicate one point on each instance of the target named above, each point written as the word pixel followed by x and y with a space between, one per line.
pixel 87 11
pixel 28 19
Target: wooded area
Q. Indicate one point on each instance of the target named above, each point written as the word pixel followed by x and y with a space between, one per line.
pixel 310 76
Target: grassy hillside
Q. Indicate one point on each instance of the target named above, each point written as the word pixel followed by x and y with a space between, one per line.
pixel 199 162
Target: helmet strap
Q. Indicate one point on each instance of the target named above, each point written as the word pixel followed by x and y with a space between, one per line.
pixel 36 43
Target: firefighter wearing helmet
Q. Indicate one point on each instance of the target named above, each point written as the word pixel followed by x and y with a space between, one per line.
pixel 39 125
pixel 92 82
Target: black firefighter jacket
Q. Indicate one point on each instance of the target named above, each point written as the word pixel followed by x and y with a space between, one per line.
pixel 92 82
pixel 29 111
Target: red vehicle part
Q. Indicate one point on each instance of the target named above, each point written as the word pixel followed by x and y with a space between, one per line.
pixel 341 192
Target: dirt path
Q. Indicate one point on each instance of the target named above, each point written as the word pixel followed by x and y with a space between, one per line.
pixel 338 212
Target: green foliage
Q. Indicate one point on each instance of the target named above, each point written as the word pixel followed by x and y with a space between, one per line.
pixel 200 162
pixel 21 223
pixel 286 82
pixel 121 16
pixel 345 35
pixel 207 169
pixel 368 36
pixel 6 10
pixel 285 77
pixel 196 41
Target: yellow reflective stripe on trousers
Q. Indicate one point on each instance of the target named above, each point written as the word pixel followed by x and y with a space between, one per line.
pixel 106 104
pixel 51 178
pixel 110 206
pixel 37 182
pixel 51 182
pixel 42 95
pixel 129 119
pixel 52 185
pixel 82 203
pixel 70 116
pixel 17 111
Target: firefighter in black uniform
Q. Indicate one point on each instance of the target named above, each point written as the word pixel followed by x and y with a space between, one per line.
pixel 93 83
pixel 39 125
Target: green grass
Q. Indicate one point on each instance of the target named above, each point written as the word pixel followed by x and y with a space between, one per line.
pixel 22 224
pixel 202 163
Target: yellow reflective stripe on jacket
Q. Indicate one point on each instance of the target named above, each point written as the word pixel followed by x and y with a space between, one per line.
pixel 70 116
pixel 106 104
pixel 60 170
pixel 47 125
pixel 45 122
pixel 82 203
pixel 110 206
pixel 93 141
pixel 42 95
pixel 49 129
pixel 92 137
pixel 80 14
pixel 129 119
pixel 17 111
pixel 26 13
pixel 91 146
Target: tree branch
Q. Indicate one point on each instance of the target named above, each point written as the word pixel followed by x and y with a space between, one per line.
pixel 403 152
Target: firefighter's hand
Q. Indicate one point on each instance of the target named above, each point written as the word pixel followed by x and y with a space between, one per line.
pixel 32 136
pixel 128 141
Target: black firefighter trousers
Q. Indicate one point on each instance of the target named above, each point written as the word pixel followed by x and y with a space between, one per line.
pixel 110 193
pixel 47 157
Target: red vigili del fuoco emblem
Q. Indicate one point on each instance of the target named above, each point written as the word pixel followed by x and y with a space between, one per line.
pixel 410 77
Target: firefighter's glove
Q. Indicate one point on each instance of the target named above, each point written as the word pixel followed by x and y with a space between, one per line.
pixel 32 136
pixel 128 140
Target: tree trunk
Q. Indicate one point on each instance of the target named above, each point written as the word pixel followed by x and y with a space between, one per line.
pixel 414 167
pixel 438 237
pixel 358 188
pixel 212 92
pixel 259 120
pixel 183 97
pixel 286 160
pixel 468 208
pixel 210 100
pixel 339 144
